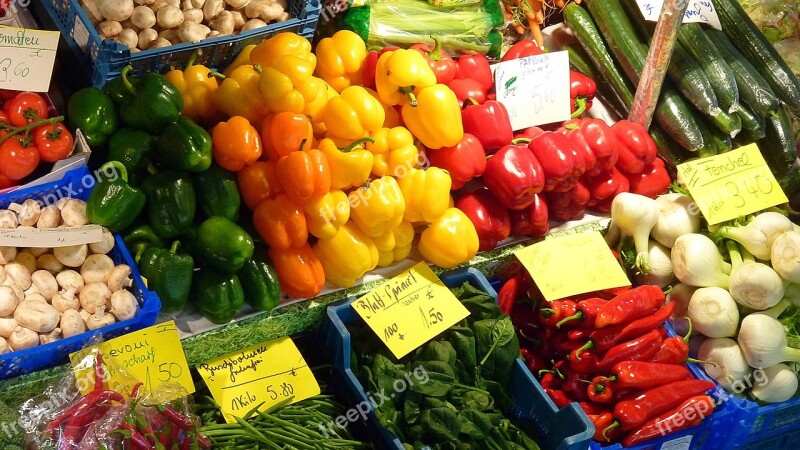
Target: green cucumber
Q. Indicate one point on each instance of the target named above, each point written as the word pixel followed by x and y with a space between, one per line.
pixel 717 141
pixel 753 88
pixel 669 151
pixel 580 61
pixel 778 146
pixel 751 42
pixel 672 113
pixel 719 73
pixel 752 123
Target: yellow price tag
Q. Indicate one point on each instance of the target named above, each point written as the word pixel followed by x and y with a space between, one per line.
pixel 732 184
pixel 572 265
pixel 410 309
pixel 153 356
pixel 264 374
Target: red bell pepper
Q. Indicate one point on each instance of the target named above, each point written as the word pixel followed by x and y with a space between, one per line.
pixel 556 154
pixel 475 67
pixel 488 215
pixel 522 49
pixel 653 181
pixel 465 161
pixel 596 140
pixel 370 66
pixel 604 186
pixel 488 122
pixel 569 205
pixel 528 133
pixel 465 88
pixel 581 92
pixel 514 176
pixel 441 63
pixel 531 221
pixel 635 146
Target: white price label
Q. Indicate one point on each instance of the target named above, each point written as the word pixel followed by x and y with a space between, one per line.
pixel 50 237
pixel 27 58
pixel 698 11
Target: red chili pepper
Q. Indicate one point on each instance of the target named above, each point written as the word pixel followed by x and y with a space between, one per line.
pixel 604 428
pixel 674 350
pixel 653 181
pixel 581 92
pixel 464 161
pixel 508 295
pixel 559 397
pixel 514 176
pixel 488 215
pixel 550 381
pixel 654 321
pixel 583 361
pixel 688 414
pixel 76 426
pixel 633 413
pixel 595 138
pixel 136 389
pixel 475 67
pixel 467 88
pixel 639 349
pixel 87 402
pixel 575 386
pixel 536 362
pixel 644 374
pixel 593 409
pixel 600 390
pixel 557 310
pixel 488 122
pixel 522 49
pixel 569 205
pixel 531 221
pixel 579 334
pixel 177 418
pixel 604 186
pixel 622 394
pixel 633 304
pixel 557 155
pixel 636 147
pixel 440 62
pixel 138 442
pixel 586 313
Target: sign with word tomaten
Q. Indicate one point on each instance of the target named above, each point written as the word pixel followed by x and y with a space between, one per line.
pixel 410 309
pixel 264 374
pixel 732 184
pixel 27 58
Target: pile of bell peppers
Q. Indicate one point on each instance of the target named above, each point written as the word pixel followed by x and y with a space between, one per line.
pixel 177 210
pixel 610 352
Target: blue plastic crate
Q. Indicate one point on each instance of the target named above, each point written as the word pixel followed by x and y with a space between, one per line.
pixel 774 426
pixel 565 429
pixel 76 183
pixel 103 60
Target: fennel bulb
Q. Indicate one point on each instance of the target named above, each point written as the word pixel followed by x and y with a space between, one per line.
pixel 752 284
pixel 675 218
pixel 697 262
pixel 723 361
pixel 680 294
pixel 764 343
pixel 780 384
pixel 713 312
pixel 660 273
pixel 785 254
pixel 634 215
pixel 759 234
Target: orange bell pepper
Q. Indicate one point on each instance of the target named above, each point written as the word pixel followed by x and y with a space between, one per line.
pixel 258 182
pixel 287 43
pixel 235 143
pixel 304 175
pixel 299 271
pixel 281 222
pixel 285 132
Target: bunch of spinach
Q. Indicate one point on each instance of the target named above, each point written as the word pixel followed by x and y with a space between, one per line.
pixel 468 369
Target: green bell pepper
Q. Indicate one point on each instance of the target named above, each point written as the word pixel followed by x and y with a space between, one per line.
pixel 168 273
pixel 116 88
pixel 154 104
pixel 184 145
pixel 113 203
pixel 133 149
pixel 143 234
pixel 171 202
pixel 217 295
pixel 262 290
pixel 223 244
pixel 91 110
pixel 217 193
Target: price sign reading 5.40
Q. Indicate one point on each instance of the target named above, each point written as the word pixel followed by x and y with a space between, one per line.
pixel 410 309
pixel 732 184
pixel 27 58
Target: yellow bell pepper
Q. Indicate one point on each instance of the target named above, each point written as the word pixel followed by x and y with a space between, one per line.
pixel 400 75
pixel 392 115
pixel 315 93
pixel 197 89
pixel 450 240
pixel 350 165
pixel 395 245
pixel 353 114
pixel 347 256
pixel 340 58
pixel 268 52
pixel 427 194
pixel 377 207
pixel 395 152
pixel 325 214
pixel 436 120
pixel 279 84
pixel 319 126
pixel 241 59
pixel 238 95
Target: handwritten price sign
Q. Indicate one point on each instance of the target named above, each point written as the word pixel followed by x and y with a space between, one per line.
pixel 27 58
pixel 50 237
pixel 698 11
pixel 410 309
pixel 264 374
pixel 732 184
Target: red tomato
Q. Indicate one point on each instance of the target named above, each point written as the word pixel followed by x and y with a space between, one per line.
pixel 54 142
pixel 6 94
pixel 3 116
pixel 21 109
pixel 5 182
pixel 17 161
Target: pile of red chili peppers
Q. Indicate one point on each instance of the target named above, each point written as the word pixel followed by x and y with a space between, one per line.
pixel 105 418
pixel 610 352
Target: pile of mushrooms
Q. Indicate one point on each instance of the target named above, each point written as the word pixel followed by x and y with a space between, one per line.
pixel 146 24
pixel 47 294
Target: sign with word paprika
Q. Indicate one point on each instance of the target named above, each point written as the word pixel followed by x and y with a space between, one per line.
pixel 153 356
pixel 731 184
pixel 262 375
pixel 572 265
pixel 27 58
pixel 410 309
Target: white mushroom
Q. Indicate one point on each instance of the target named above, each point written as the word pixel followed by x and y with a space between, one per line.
pixel 237 4
pixel 62 201
pixel 19 274
pixel 7 254
pixel 100 319
pixel 7 326
pixel 38 251
pixel 155 5
pixel 212 9
pixel 169 35
pixel 128 37
pixel 9 300
pixel 72 255
pixel 93 296
pixel 19 291
pixel 45 283
pixel 193 15
pixel 144 2
pixel 105 245
pixel 109 29
pixel 27 259
pixel 198 3
pixel 50 217
pixel 169 17
pixel 2 274
pixel 52 336
pixel 238 19
pixel 160 43
pixel 223 23
pixel 23 338
pixel 91 10
pixel 28 212
pixel 70 279
pixel 252 24
pixel 84 315
pixel 146 37
pixel 284 17
pixel 175 3
pixel 35 297
pixel 49 263
pixel 120 278
pixel 193 32
pixel 4 347
pixel 66 300
pixel 118 10
pixel 8 219
pixel 72 323
pixel 96 268
pixel 212 34
pixel 73 213
pixel 124 305
pixel 39 317
pixel 266 10
pixel 143 17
